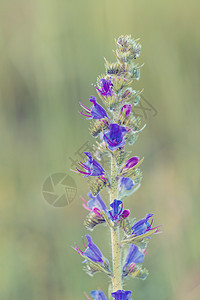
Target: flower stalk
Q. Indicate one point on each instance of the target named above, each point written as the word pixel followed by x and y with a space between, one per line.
pixel 115 125
pixel 115 242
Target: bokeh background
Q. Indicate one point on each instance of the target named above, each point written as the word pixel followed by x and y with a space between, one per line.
pixel 51 52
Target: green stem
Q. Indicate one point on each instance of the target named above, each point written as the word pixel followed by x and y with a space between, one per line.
pixel 116 249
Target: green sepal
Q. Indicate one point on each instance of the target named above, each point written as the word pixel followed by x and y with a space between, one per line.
pixel 92 267
pixel 137 239
pixel 96 184
pixel 108 221
pixel 92 220
pixel 121 155
pixel 139 272
pixel 116 69
pixel 96 126
pixel 126 226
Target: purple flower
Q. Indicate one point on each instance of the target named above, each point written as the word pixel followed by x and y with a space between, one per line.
pixel 95 204
pixel 142 226
pixel 91 251
pixel 114 136
pixel 98 295
pixel 105 87
pixel 126 109
pixel 91 167
pixel 126 183
pixel 134 256
pixel 121 295
pixel 130 163
pixel 117 213
pixel 96 111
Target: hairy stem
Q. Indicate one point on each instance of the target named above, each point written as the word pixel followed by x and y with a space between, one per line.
pixel 116 250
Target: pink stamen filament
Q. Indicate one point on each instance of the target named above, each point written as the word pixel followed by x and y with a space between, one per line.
pixel 83 200
pixel 83 166
pixel 79 171
pixel 78 249
pixel 85 107
pixel 86 207
pixel 89 116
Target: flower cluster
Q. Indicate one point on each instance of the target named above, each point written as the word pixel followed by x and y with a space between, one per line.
pixel 115 126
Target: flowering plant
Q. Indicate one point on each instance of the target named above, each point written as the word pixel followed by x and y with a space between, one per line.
pixel 115 125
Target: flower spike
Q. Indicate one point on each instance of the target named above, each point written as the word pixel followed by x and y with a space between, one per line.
pixel 114 124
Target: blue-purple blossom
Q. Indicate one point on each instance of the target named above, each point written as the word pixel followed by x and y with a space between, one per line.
pixel 143 226
pixel 91 251
pixel 134 256
pixel 96 111
pixel 96 204
pixel 91 167
pixel 96 201
pixel 117 213
pixel 130 163
pixel 126 183
pixel 122 295
pixel 98 295
pixel 126 108
pixel 114 137
pixel 105 87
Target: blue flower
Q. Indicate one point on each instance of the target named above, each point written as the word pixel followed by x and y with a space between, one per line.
pixel 105 87
pixel 117 213
pixel 134 255
pixel 98 295
pixel 91 251
pixel 95 202
pixel 121 295
pixel 96 111
pixel 142 226
pixel 91 167
pixel 126 183
pixel 114 136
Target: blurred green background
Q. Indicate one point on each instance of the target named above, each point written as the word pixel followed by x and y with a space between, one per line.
pixel 51 52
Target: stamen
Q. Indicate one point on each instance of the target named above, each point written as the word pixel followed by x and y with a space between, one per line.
pixel 85 107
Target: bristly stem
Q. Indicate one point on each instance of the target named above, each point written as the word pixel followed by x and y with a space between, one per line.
pixel 116 249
